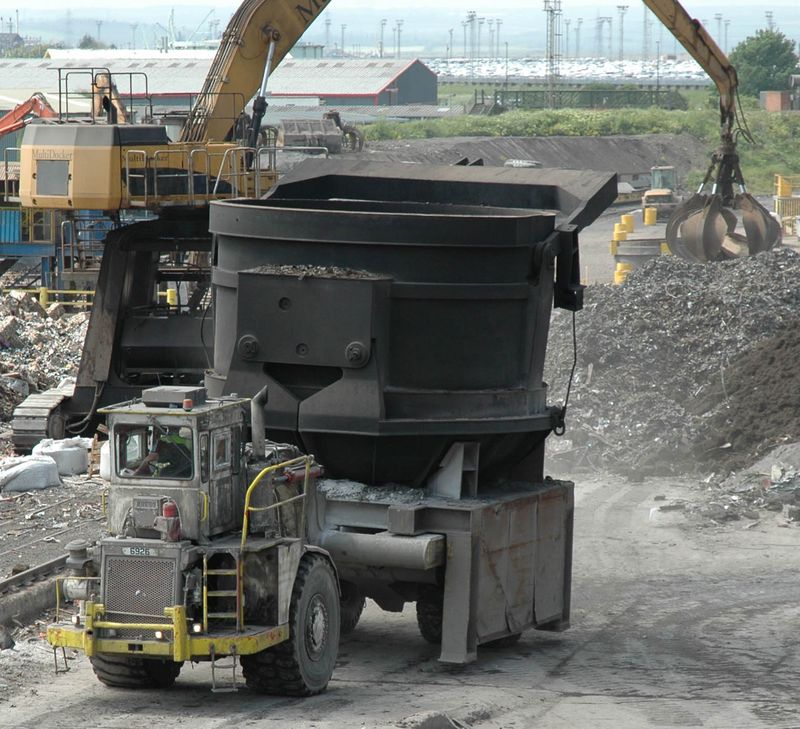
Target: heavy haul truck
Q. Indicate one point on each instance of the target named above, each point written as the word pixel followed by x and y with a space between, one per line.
pixel 393 322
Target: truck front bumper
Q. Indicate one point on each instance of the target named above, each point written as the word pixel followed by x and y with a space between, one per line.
pixel 178 643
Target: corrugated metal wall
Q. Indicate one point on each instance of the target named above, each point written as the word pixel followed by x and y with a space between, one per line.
pixel 10 140
pixel 10 219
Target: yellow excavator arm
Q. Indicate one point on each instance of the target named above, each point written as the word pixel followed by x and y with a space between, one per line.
pixel 238 68
pixel 701 46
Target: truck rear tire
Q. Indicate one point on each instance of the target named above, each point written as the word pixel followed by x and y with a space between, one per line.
pixel 302 665
pixel 352 605
pixel 429 614
pixel 133 672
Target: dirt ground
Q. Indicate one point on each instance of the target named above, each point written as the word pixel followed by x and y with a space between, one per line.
pixel 677 621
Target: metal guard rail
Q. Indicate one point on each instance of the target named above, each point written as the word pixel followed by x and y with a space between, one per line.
pixel 307 460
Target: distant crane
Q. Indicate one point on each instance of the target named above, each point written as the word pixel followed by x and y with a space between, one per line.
pixel 202 23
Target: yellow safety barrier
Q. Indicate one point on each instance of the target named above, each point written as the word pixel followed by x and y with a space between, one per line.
pixel 650 216
pixel 621 273
pixel 170 296
pixel 44 294
pixel 627 221
pixel 620 233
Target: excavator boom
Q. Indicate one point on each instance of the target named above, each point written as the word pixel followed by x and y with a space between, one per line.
pixel 238 68
pixel 20 115
pixel 691 34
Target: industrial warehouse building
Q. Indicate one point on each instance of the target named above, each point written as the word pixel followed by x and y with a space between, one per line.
pixel 377 82
pixel 172 82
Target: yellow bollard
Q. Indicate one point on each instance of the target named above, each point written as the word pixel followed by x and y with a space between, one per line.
pixel 621 273
pixel 627 221
pixel 665 251
pixel 784 186
pixel 44 298
pixel 619 232
pixel 172 297
pixel 650 216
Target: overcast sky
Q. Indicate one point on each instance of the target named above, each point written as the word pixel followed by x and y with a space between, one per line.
pixel 426 21
pixel 8 6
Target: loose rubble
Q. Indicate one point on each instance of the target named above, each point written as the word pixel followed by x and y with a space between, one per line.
pixel 37 350
pixel 24 655
pixel 685 369
pixel 36 525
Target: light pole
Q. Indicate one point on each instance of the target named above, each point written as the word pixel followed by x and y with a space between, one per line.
pixel 399 32
pixel 490 23
pixel 506 83
pixel 472 18
pixel 658 73
pixel 380 44
pixel 327 33
pixel 566 38
pixel 622 10
pixel 727 23
pixel 578 37
pixel 497 23
pixel 450 45
pixel 718 18
pixel 344 26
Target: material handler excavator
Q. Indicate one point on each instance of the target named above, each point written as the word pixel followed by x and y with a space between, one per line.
pixel 703 228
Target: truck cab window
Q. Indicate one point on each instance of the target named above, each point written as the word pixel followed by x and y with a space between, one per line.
pixel 154 451
pixel 222 450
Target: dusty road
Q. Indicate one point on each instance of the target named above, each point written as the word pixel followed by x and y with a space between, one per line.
pixel 675 624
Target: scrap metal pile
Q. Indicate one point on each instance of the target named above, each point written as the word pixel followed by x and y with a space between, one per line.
pixel 684 369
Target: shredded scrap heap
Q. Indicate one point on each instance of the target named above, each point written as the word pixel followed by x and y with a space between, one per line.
pixel 685 368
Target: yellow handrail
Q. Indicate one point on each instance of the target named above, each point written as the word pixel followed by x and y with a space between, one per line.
pixel 43 294
pixel 308 460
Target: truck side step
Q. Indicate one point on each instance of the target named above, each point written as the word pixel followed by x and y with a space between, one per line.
pixel 215 666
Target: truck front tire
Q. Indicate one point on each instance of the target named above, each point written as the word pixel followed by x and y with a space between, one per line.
pixel 133 672
pixel 302 665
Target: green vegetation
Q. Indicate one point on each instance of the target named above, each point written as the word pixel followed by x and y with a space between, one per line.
pixel 764 62
pixel 776 134
pixel 88 42
pixel 33 51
